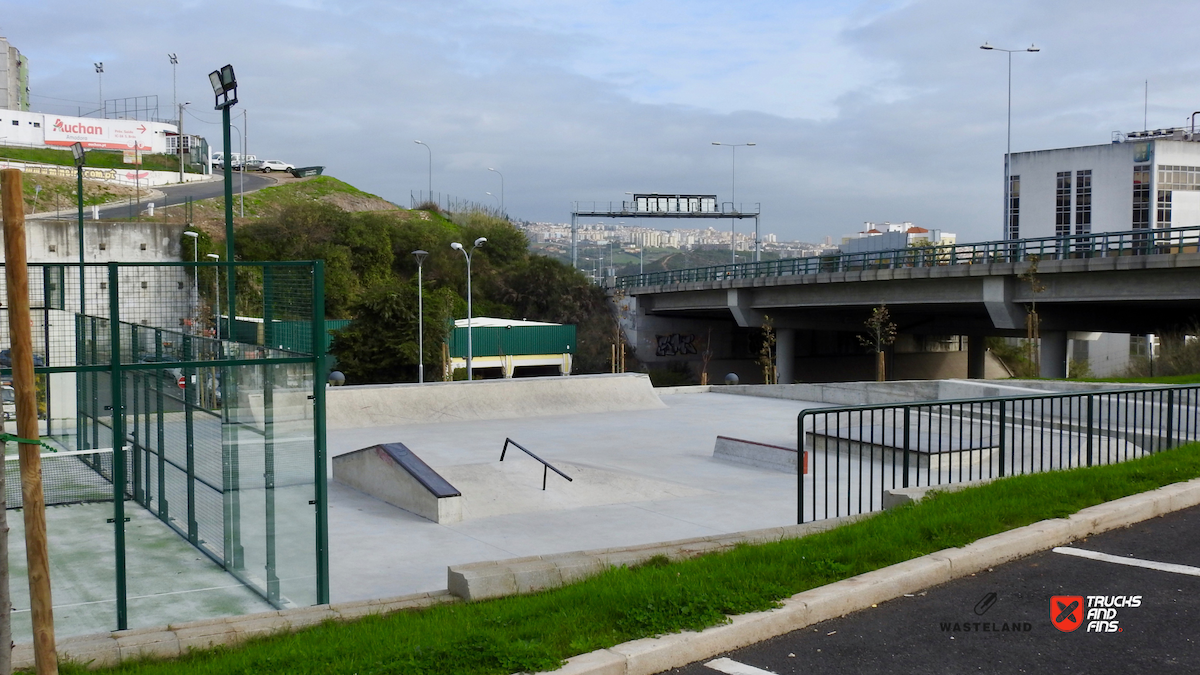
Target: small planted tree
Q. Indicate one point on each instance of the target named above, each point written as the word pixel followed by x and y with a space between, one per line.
pixel 766 354
pixel 1032 325
pixel 881 332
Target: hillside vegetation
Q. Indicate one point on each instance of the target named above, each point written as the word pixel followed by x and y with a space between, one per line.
pixel 370 276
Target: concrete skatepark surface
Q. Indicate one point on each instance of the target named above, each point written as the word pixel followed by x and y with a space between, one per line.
pixel 641 476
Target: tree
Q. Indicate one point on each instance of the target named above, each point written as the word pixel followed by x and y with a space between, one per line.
pixel 766 353
pixel 381 345
pixel 881 332
pixel 1033 327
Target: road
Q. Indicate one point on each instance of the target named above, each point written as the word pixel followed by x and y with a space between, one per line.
pixel 961 627
pixel 176 194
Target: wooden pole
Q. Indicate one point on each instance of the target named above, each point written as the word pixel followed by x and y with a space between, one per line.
pixel 19 328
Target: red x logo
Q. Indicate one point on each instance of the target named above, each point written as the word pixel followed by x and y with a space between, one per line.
pixel 1066 612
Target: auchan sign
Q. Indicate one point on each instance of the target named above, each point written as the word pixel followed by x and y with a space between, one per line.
pixel 95 133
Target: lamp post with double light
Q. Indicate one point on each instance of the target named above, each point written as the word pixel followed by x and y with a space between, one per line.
pixel 467 254
pixel 501 188
pixel 1007 229
pixel 420 256
pixel 733 196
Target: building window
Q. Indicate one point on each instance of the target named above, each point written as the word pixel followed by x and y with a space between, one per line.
pixel 1141 196
pixel 1014 207
pixel 1179 178
pixel 1083 202
pixel 1062 211
pixel 16 123
pixel 1164 209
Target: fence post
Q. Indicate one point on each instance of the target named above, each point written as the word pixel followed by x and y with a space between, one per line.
pixel 1090 425
pixel 268 340
pixel 800 468
pixel 1003 436
pixel 118 439
pixel 907 410
pixel 1170 417
pixel 319 377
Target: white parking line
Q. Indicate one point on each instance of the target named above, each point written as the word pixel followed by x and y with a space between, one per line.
pixel 732 667
pixel 1132 562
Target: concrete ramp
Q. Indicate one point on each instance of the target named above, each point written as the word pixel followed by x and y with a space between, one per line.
pixel 762 455
pixel 392 404
pixel 391 472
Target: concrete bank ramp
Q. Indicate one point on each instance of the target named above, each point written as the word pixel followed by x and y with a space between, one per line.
pixel 392 404
pixel 391 472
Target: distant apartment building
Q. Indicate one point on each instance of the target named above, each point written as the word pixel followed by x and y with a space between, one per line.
pixel 1141 180
pixel 14 78
pixel 890 236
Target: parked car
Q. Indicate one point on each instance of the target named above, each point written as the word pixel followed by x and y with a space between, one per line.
pixel 9 397
pixel 269 165
pixel 6 359
pixel 172 373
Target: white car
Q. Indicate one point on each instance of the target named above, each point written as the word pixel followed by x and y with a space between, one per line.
pixel 269 165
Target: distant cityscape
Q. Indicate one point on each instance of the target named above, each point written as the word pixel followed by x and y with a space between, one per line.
pixel 634 237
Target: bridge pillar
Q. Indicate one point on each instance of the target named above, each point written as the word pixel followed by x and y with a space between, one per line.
pixel 785 354
pixel 1053 353
pixel 976 357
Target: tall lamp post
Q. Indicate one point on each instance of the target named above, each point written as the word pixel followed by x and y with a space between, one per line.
pixel 498 203
pixel 733 197
pixel 180 139
pixel 216 296
pixel 224 85
pixel 1006 228
pixel 467 254
pixel 501 188
pixel 195 270
pixel 79 153
pixel 420 256
pixel 100 84
pixel 430 196
pixel 174 89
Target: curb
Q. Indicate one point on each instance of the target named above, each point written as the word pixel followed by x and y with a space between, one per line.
pixel 109 649
pixel 653 655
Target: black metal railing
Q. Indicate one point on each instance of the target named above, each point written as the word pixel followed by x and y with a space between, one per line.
pixel 1101 245
pixel 859 453
pixel 546 466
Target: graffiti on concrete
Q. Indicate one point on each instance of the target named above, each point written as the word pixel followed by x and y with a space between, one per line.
pixel 675 344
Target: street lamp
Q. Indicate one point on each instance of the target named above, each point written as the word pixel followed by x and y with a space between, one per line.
pixel 1006 229
pixel 224 85
pixel 79 153
pixel 430 151
pixel 180 137
pixel 733 197
pixel 195 270
pixel 174 88
pixel 497 200
pixel 467 254
pixel 420 256
pixel 501 188
pixel 216 296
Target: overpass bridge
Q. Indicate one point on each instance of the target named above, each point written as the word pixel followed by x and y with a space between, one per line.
pixel 1139 281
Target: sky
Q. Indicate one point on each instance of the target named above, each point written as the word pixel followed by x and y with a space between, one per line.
pixel 872 110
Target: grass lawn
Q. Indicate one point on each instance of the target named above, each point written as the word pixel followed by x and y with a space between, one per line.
pixel 536 632
pixel 1194 378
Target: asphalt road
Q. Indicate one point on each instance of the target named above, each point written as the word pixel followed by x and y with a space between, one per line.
pixel 960 628
pixel 176 194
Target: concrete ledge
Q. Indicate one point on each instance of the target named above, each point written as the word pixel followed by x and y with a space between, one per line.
pixel 911 495
pixel 761 455
pixel 494 579
pixel 653 655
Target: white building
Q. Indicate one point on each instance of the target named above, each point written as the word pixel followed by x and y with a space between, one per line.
pixel 1139 180
pixel 61 131
pixel 891 236
pixel 14 78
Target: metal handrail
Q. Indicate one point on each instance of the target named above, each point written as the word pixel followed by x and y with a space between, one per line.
pixel 858 453
pixel 1100 245
pixel 545 465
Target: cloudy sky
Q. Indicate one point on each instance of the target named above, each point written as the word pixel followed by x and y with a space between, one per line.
pixel 869 110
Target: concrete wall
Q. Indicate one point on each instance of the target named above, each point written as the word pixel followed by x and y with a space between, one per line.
pixel 392 404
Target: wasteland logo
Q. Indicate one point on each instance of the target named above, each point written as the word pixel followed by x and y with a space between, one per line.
pixel 985 603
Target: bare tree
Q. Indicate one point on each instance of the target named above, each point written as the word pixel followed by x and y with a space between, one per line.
pixel 766 354
pixel 881 332
pixel 706 356
pixel 1032 324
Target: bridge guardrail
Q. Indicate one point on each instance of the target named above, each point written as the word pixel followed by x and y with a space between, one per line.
pixel 857 453
pixel 1101 245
